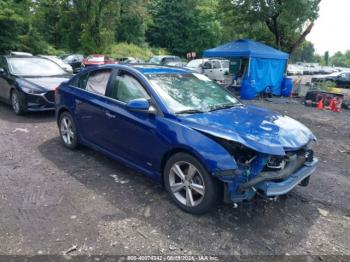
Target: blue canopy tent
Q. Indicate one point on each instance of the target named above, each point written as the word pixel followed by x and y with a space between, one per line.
pixel 266 65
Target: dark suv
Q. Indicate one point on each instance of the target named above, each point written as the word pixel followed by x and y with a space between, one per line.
pixel 74 60
pixel 343 80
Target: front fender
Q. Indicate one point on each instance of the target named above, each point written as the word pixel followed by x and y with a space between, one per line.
pixel 211 154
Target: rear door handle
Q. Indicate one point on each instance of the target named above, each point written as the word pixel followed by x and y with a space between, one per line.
pixel 109 115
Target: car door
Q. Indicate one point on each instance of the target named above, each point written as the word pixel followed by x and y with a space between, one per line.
pixel 208 69
pixel 217 70
pixel 89 106
pixel 347 80
pixel 5 80
pixel 132 135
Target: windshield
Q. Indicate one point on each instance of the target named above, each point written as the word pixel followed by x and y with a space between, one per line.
pixel 56 60
pixel 155 60
pixel 191 93
pixel 34 67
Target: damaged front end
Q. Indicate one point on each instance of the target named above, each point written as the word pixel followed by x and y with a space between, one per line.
pixel 263 174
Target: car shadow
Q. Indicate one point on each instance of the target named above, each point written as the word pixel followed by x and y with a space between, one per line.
pixel 259 227
pixel 7 114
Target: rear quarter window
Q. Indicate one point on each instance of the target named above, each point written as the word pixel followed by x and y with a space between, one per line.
pixel 80 81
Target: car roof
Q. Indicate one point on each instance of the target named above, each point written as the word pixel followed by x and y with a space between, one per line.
pixel 165 56
pixel 158 69
pixel 145 68
pixel 22 56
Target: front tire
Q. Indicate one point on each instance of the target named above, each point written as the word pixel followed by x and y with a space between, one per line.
pixel 17 103
pixel 68 131
pixel 189 185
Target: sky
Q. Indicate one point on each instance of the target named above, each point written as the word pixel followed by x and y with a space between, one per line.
pixel 331 31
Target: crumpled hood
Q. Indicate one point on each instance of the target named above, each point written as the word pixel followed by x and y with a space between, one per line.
pixel 44 83
pixel 257 128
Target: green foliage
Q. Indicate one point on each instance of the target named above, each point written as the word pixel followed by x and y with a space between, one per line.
pixel 304 53
pixel 12 24
pixel 326 58
pixel 182 26
pixel 178 26
pixel 32 42
pixel 341 59
pixel 131 50
pixel 279 23
pixel 134 20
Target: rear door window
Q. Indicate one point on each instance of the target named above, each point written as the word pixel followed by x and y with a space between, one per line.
pixel 216 64
pixel 97 81
pixel 207 65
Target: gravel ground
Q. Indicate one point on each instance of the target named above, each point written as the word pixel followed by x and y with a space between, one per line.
pixel 53 199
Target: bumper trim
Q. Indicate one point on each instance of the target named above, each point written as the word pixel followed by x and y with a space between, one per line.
pixel 280 188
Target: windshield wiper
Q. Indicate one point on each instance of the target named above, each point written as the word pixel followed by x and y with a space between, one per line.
pixel 222 107
pixel 189 111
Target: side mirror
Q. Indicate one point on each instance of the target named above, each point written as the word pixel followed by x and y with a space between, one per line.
pixel 140 105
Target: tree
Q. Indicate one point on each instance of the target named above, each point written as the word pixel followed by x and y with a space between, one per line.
pixel 340 59
pixel 326 58
pixel 46 19
pixel 134 20
pixel 13 23
pixel 304 53
pixel 184 25
pixel 289 21
pixel 98 20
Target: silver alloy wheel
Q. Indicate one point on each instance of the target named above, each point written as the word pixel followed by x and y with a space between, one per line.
pixel 15 102
pixel 67 130
pixel 186 184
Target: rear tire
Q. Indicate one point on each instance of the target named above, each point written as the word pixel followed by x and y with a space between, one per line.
pixel 68 130
pixel 189 184
pixel 17 103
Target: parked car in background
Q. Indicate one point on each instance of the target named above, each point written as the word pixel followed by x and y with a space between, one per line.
pixel 294 70
pixel 93 60
pixel 196 65
pixel 130 60
pixel 66 67
pixel 20 53
pixel 74 60
pixel 341 79
pixel 217 70
pixel 170 60
pixel 28 82
pixel 186 132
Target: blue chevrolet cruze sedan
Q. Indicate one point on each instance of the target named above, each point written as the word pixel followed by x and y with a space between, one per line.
pixel 186 132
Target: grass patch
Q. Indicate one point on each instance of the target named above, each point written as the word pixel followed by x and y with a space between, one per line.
pixel 126 50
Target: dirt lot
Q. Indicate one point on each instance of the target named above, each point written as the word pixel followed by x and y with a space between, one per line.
pixel 52 199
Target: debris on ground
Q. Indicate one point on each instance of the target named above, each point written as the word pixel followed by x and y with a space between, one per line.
pixel 323 212
pixel 24 130
pixel 71 249
pixel 119 180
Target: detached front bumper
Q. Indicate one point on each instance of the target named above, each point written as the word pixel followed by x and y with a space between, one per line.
pixel 271 189
pixel 269 184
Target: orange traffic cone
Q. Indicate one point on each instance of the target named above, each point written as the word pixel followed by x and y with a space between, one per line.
pixel 333 105
pixel 338 103
pixel 319 104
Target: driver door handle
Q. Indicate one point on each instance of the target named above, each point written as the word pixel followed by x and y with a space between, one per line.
pixel 109 115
